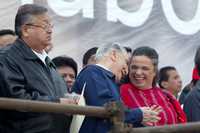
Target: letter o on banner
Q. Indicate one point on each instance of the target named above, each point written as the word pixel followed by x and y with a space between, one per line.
pixel 183 27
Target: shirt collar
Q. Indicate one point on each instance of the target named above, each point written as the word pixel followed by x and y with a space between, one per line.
pixel 104 67
pixel 42 56
pixel 108 72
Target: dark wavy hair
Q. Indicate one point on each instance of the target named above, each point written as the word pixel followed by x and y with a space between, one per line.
pixel 62 61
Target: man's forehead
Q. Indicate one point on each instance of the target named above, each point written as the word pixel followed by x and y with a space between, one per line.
pixel 42 18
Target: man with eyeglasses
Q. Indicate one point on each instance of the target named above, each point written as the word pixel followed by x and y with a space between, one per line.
pixel 25 74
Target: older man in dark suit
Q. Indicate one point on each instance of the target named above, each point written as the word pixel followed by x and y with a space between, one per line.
pixel 26 72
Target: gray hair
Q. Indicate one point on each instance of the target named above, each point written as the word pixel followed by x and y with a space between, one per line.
pixel 104 50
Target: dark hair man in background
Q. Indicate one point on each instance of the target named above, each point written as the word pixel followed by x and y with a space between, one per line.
pixel 128 50
pixel 170 80
pixel 26 72
pixel 89 56
pixel 7 36
pixel 67 67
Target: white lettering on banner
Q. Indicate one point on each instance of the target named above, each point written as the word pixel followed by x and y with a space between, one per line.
pixel 132 19
pixel 67 9
pixel 26 2
pixel 184 27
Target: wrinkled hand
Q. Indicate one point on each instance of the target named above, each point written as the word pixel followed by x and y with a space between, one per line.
pixel 67 101
pixel 70 98
pixel 150 114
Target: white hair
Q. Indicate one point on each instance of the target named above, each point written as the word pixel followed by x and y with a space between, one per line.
pixel 107 48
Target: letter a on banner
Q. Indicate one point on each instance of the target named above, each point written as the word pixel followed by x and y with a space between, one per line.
pixel 132 19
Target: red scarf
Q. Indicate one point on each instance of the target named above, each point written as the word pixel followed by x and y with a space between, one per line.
pixel 134 97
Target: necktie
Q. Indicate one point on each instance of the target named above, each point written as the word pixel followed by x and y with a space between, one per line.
pixel 56 79
pixel 49 63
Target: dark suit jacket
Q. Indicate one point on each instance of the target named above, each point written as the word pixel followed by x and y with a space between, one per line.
pixel 100 89
pixel 192 104
pixel 23 75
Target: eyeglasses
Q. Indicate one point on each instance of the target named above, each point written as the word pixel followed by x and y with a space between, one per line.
pixel 46 27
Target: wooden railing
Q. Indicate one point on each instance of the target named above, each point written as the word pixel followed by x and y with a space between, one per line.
pixel 112 111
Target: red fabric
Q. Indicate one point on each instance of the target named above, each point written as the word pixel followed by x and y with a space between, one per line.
pixel 195 74
pixel 133 98
pixel 180 113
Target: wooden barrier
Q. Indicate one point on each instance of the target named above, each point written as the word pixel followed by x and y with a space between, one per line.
pixel 179 128
pixel 113 111
pixel 50 107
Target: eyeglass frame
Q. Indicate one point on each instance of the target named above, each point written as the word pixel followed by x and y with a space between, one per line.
pixel 46 27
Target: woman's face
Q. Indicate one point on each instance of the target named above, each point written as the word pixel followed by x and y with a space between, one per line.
pixel 142 72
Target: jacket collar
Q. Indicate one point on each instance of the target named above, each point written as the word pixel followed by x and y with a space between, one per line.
pixel 106 71
pixel 26 50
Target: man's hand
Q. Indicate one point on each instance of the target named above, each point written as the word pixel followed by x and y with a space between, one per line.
pixel 72 98
pixel 67 101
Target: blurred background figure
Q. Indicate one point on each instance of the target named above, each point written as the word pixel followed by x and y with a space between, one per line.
pixel 67 67
pixel 188 87
pixel 89 56
pixel 170 80
pixel 125 79
pixel 192 101
pixel 128 50
pixel 142 90
pixel 7 36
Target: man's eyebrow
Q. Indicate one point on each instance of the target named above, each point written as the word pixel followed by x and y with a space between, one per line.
pixel 46 20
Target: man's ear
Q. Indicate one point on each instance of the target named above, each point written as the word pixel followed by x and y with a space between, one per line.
pixel 25 31
pixel 164 84
pixel 113 55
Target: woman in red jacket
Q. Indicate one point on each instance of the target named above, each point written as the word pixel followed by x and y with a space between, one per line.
pixel 142 91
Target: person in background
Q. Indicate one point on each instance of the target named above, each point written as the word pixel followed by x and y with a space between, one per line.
pixel 100 88
pixel 128 50
pixel 26 72
pixel 7 36
pixel 192 101
pixel 142 90
pixel 125 79
pixel 170 80
pixel 188 87
pixel 67 67
pixel 89 56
